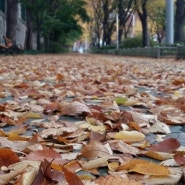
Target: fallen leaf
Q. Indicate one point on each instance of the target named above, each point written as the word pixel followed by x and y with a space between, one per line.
pixel 27 176
pixel 123 147
pixel 8 157
pixel 14 145
pixel 74 108
pixel 71 178
pixel 96 136
pixel 144 167
pixel 116 180
pixel 93 150
pixel 180 159
pixel 120 100
pixel 169 145
pixel 130 136
pixel 173 178
pixel 95 163
pixel 6 178
pixel 33 115
pixel 154 155
pixel 46 154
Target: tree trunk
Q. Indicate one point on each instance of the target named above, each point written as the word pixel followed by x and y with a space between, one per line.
pixel 38 23
pixel 121 20
pixel 105 22
pixel 125 12
pixel 29 32
pixel 38 38
pixel 145 35
pixel 179 21
pixel 12 13
pixel 143 17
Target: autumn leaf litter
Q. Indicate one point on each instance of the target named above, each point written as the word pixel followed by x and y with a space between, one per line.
pixel 92 120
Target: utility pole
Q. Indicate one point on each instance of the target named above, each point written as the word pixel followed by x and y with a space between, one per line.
pixel 117 31
pixel 169 22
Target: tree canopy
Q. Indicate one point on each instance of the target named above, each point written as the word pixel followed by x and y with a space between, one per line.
pixel 59 22
pixel 56 20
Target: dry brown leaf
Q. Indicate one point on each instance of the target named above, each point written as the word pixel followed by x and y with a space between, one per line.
pixel 6 178
pixel 180 159
pixel 49 154
pixel 13 136
pixel 135 126
pixel 94 150
pixel 113 166
pixel 71 178
pixel 123 147
pixel 154 155
pixel 144 167
pixel 94 164
pixel 169 145
pixel 93 86
pixel 73 166
pixel 173 178
pixel 74 108
pixel 96 136
pixel 130 136
pixel 7 157
pixel 159 127
pixel 116 180
pixel 27 177
pixel 14 145
pixel 21 85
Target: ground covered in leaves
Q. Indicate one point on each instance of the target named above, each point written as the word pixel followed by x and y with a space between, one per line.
pixel 92 120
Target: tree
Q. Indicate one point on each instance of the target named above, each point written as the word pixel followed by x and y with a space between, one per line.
pixel 141 8
pixel 109 20
pixel 157 18
pixel 37 11
pixel 96 22
pixel 63 22
pixel 55 20
pixel 104 20
pixel 179 20
pixel 125 12
pixel 11 26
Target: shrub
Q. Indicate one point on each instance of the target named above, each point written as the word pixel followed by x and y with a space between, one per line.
pixel 135 42
pixel 55 47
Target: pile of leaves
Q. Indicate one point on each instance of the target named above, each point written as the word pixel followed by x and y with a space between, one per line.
pixel 91 120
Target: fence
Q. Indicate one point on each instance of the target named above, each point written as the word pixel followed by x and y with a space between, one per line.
pixel 154 52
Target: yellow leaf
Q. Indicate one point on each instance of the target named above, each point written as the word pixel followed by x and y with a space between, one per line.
pixel 145 167
pixel 131 102
pixel 92 127
pixel 120 100
pixel 33 115
pixel 13 136
pixel 2 133
pixel 155 155
pixel 130 136
pixel 135 125
pixel 113 166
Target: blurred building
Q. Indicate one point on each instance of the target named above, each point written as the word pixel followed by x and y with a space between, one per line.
pixel 21 24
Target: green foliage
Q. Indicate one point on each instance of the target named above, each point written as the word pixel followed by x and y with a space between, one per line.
pixel 135 42
pixel 55 47
pixel 58 21
pixel 112 46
